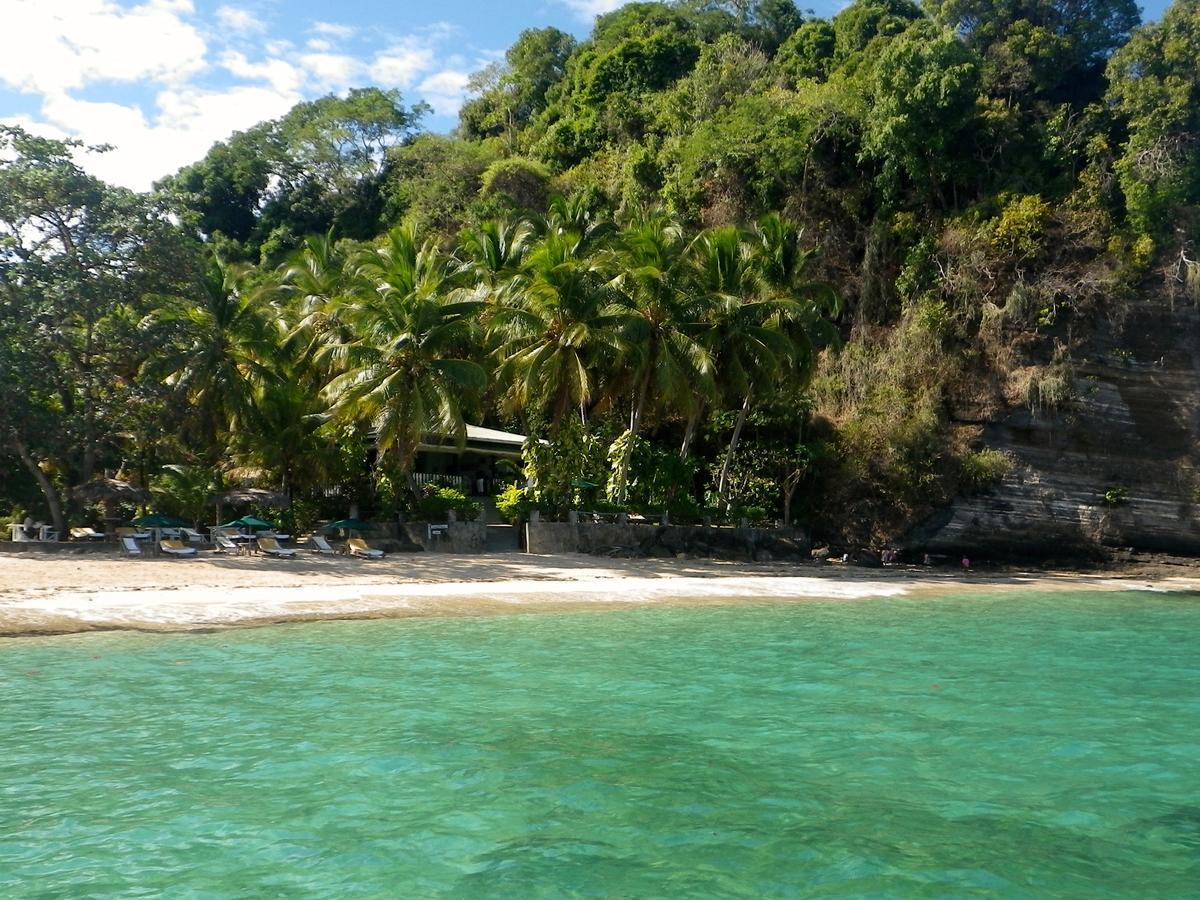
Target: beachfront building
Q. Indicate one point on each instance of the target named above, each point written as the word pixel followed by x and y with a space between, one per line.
pixel 488 459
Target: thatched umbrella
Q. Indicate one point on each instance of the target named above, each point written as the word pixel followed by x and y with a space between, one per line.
pixel 110 491
pixel 244 496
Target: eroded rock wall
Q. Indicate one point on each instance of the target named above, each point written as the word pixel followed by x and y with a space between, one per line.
pixel 1130 430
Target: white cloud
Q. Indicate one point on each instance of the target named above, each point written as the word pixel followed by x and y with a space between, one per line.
pixel 280 74
pixel 333 29
pixel 332 71
pixel 399 65
pixel 188 122
pixel 239 21
pixel 51 47
pixel 445 91
pixel 179 94
pixel 589 9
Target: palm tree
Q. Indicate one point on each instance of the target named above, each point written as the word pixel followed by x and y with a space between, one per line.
pixel 285 436
pixel 494 251
pixel 660 323
pixel 311 283
pixel 228 347
pixel 768 321
pixel 554 326
pixel 750 350
pixel 185 490
pixel 405 369
pixel 809 308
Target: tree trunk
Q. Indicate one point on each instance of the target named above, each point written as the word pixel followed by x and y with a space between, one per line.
pixel 52 500
pixel 789 491
pixel 723 483
pixel 635 421
pixel 690 434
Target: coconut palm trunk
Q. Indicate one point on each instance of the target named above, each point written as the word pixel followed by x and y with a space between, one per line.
pixel 635 422
pixel 689 433
pixel 723 482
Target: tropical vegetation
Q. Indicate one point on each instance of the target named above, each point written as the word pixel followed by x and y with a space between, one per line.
pixel 716 259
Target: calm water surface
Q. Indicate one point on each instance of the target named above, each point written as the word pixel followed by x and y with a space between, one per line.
pixel 1017 746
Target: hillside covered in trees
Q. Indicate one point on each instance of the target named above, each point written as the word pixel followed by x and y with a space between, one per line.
pixel 909 269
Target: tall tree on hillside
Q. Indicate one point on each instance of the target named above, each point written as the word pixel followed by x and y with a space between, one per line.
pixel 553 329
pixel 320 166
pixel 661 359
pixel 79 260
pixel 406 371
pixel 751 350
pixel 1154 84
pixel 228 347
pixel 310 285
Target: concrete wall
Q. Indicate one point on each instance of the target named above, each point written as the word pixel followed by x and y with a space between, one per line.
pixel 645 539
pixel 460 537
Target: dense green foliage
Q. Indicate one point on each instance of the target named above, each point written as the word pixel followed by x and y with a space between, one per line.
pixel 636 246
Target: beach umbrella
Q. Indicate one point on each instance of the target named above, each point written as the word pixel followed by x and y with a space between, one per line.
pixel 348 525
pixel 158 520
pixel 245 496
pixel 251 522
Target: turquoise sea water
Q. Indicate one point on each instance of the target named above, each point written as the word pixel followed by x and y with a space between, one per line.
pixel 1036 745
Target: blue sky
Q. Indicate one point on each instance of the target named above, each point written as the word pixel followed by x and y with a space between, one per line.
pixel 161 80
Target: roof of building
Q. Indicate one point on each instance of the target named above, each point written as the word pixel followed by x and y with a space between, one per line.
pixel 492 436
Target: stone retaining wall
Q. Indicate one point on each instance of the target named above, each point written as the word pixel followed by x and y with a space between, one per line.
pixel 455 537
pixel 645 539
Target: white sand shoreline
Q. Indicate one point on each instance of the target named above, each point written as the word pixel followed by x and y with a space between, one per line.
pixel 41 596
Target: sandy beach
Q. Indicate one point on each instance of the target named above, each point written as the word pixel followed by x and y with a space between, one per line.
pixel 67 594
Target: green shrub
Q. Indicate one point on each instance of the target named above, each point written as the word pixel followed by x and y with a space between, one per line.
pixel 434 504
pixel 1021 226
pixel 523 182
pixel 983 468
pixel 514 504
pixel 1116 496
pixel 1050 390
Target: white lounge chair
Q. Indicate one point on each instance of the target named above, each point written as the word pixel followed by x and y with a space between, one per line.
pixel 130 547
pixel 270 546
pixel 225 544
pixel 192 535
pixel 176 548
pixel 358 547
pixel 86 533
pixel 318 544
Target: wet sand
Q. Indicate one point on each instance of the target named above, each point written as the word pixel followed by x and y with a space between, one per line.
pixel 67 594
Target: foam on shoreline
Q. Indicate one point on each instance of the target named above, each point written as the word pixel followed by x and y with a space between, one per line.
pixel 40 598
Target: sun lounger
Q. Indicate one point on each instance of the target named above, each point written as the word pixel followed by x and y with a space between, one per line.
pixel 271 547
pixel 85 533
pixel 176 548
pixel 225 544
pixel 127 532
pixel 130 547
pixel 318 544
pixel 358 547
pixel 192 535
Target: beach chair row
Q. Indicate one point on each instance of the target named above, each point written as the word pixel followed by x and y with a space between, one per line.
pixel 266 544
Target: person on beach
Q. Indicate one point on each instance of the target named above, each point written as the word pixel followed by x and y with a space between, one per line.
pixel 966 563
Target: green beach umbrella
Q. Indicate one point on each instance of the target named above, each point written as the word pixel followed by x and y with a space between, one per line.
pixel 252 522
pixel 348 524
pixel 157 520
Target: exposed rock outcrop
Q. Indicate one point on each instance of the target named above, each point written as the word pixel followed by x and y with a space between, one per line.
pixel 1116 466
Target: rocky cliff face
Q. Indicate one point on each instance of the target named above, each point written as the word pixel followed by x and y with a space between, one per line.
pixel 1129 430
